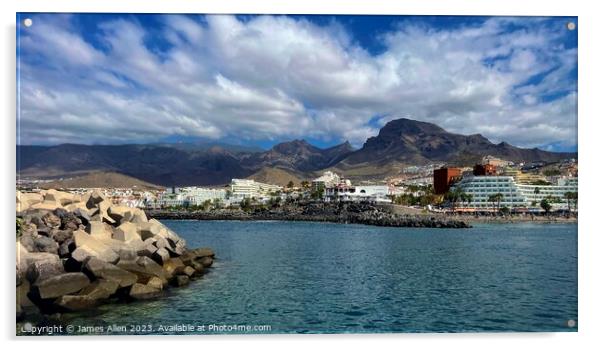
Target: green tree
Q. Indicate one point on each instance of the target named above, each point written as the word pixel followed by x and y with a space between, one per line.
pixel 454 196
pixel 537 191
pixel 290 184
pixel 318 194
pixel 245 204
pixel 545 205
pixel 217 203
pixel 468 198
pixel 505 210
pixel 496 198
pixel 305 184
pixel 206 205
pixel 570 196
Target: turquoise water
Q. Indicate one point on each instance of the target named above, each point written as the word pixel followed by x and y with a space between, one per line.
pixel 302 277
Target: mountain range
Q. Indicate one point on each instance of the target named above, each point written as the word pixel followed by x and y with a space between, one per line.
pixel 399 143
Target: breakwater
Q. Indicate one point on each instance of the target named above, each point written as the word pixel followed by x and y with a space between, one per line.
pixel 75 252
pixel 339 212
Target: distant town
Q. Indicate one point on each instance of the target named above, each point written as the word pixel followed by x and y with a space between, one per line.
pixel 494 184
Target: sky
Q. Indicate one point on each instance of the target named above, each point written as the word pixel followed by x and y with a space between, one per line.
pixel 260 80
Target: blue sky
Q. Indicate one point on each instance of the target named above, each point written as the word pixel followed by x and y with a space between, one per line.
pixel 260 80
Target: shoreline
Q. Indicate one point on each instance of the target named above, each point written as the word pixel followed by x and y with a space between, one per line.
pixel 357 213
pixel 341 213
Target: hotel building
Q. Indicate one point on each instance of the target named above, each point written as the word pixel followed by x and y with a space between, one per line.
pixel 327 179
pixel 371 193
pixel 515 195
pixel 248 188
pixel 188 196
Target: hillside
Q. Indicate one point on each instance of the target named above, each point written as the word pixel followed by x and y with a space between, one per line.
pixel 400 143
pixel 278 176
pixel 100 180
pixel 410 142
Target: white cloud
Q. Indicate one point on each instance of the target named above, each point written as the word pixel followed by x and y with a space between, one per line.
pixel 277 77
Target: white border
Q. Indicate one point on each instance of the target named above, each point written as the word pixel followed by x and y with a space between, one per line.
pixel 590 59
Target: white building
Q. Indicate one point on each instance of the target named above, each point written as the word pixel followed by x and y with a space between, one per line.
pixel 327 179
pixel 248 188
pixel 189 196
pixel 514 195
pixel 372 193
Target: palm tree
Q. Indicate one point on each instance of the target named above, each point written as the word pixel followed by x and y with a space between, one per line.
pixel 468 198
pixel 570 196
pixel 497 198
pixel 545 205
pixel 454 196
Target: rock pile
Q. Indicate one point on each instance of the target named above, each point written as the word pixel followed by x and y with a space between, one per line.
pixel 74 252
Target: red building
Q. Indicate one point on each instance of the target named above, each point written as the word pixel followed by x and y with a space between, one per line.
pixel 444 177
pixel 484 170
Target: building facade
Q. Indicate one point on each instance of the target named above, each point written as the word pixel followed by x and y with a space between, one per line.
pixel 515 195
pixel 248 188
pixel 371 193
pixel 191 196
pixel 484 170
pixel 444 177
pixel 327 179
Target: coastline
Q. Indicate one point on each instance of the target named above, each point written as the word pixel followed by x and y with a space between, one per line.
pixel 366 214
pixel 342 213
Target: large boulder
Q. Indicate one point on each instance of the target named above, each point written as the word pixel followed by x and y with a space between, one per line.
pixel 108 271
pixel 154 228
pixel 122 214
pixel 203 252
pixel 198 267
pixel 41 270
pixel 181 280
pixel 66 248
pixel 148 250
pixel 160 256
pixel 94 198
pixel 188 271
pixel 174 266
pixel 46 205
pixel 98 230
pixel 83 214
pixel 142 291
pixel 83 254
pixel 94 247
pixel 89 296
pixel 206 261
pixel 46 244
pixel 145 268
pixel 60 197
pixel 26 200
pixel 60 236
pixel 127 231
pixel 51 220
pixel 75 302
pixel 155 282
pixel 60 285
pixel 100 289
pixel 127 253
pixel 26 258
pixel 22 294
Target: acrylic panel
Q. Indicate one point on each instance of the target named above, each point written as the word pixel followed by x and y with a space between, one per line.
pixel 258 174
